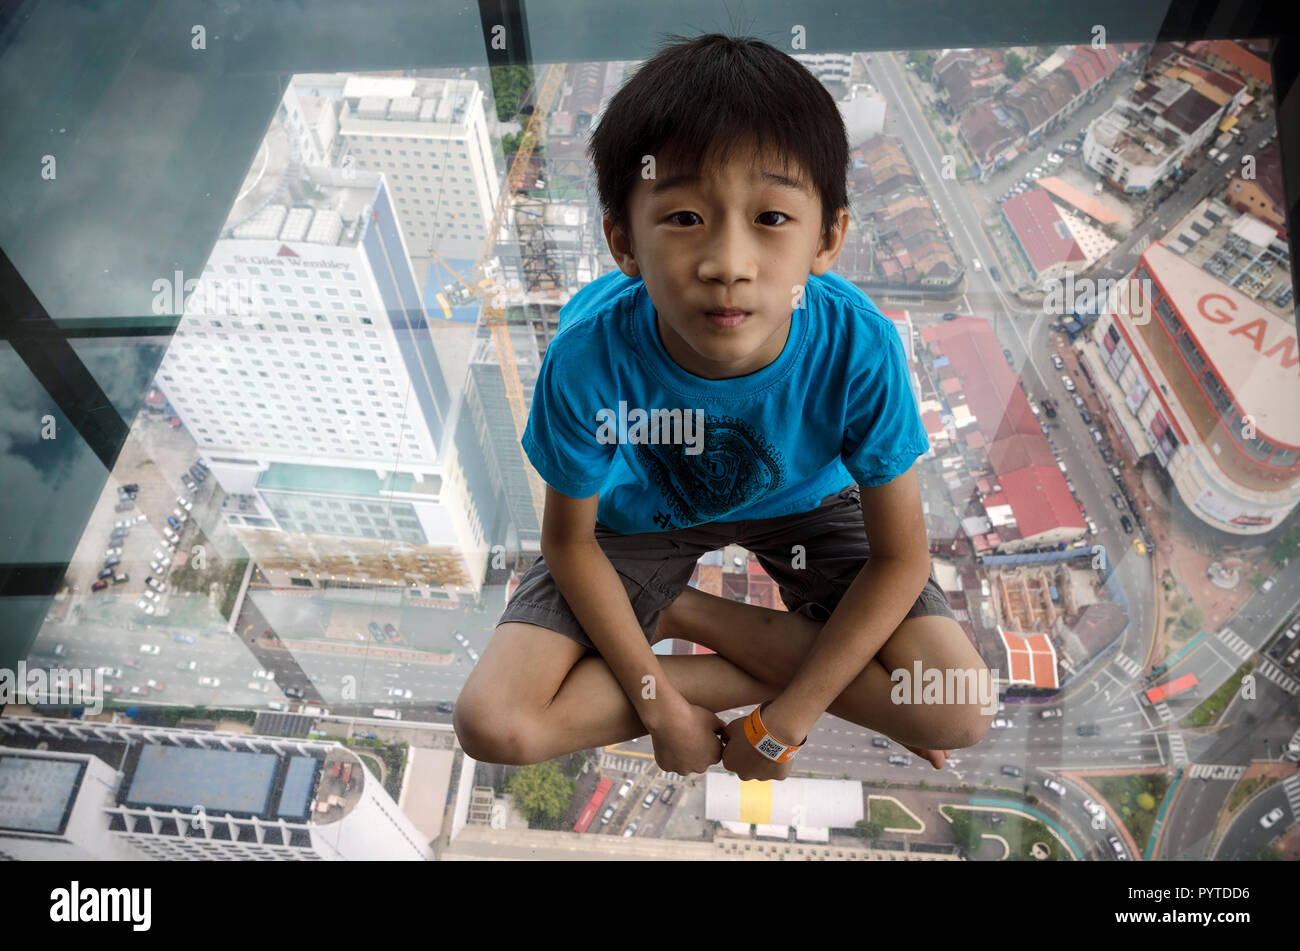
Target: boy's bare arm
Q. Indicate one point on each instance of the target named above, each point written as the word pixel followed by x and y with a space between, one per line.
pixel 595 594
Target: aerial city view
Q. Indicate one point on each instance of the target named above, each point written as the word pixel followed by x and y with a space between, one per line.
pixel 320 506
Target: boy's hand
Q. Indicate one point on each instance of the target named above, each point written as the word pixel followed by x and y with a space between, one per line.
pixel 686 738
pixel 741 758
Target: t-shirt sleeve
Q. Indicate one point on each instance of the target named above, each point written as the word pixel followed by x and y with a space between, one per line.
pixel 562 448
pixel 883 432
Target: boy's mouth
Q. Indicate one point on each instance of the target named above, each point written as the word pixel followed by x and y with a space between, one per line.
pixel 729 317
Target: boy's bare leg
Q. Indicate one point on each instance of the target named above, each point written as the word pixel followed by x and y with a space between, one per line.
pixel 770 645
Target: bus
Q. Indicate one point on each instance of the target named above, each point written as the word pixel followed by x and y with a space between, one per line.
pixel 593 805
pixel 386 714
pixel 1170 688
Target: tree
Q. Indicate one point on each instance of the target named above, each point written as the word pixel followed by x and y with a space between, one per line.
pixel 541 792
pixel 1015 65
pixel 509 86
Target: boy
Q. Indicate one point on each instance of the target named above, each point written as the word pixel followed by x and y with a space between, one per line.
pixel 721 387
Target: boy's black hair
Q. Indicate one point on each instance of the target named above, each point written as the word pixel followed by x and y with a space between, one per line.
pixel 697 98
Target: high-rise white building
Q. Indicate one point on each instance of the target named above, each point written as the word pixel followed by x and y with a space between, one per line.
pixel 86 790
pixel 307 373
pixel 429 137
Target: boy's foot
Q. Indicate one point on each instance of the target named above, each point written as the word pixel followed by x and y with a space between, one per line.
pixel 936 757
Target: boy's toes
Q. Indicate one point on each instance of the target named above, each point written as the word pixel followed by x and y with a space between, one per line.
pixel 936 757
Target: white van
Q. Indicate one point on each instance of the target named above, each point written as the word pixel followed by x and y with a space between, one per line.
pixel 385 714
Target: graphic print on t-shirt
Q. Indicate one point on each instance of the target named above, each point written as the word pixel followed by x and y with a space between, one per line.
pixel 736 467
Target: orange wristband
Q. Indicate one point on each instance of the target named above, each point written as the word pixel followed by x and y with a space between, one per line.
pixel 764 742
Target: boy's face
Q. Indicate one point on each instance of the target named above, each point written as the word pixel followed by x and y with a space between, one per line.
pixel 741 237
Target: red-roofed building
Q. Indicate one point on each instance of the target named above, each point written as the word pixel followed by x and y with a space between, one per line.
pixel 1031 660
pixel 1041 235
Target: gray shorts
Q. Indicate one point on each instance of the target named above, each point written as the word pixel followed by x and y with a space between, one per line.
pixel 656 566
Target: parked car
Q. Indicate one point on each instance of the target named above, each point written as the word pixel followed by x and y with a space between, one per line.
pixel 445 708
pixel 113 672
pixel 1268 584
pixel 1096 435
pixel 624 789
pixel 112 562
pixel 1057 361
pixel 145 606
pixel 667 797
pixel 184 638
pixel 994 273
pixel 1092 526
pixel 391 632
pixel 1005 352
pixel 375 632
pixel 277 705
pixel 124 506
pixel 264 674
pixel 154 583
pixel 1092 808
pixel 900 759
pixel 209 681
pixel 138 691
pixel 1054 786
pixel 1051 713
pixel 150 649
pixel 950 316
pixel 184 503
pixel 1085 416
pixel 649 799
pixel 188 665
pixel 1088 729
pixel 101 584
pixel 293 692
pixel 608 814
pixel 1126 523
pixel 1078 400
pixel 1117 847
pixel 1012 771
pixel 1049 408
pixel 399 692
pixel 1001 723
pixel 154 685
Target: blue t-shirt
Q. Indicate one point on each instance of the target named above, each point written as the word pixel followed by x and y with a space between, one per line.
pixel 666 449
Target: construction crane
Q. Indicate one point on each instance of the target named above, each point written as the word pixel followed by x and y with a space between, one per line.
pixel 483 286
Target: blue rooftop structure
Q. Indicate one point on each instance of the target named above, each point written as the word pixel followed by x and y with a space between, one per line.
pixel 218 780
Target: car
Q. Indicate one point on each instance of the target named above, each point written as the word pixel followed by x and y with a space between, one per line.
pixel 259 685
pixel 112 551
pixel 1067 382
pixel 152 596
pixel 649 799
pixel 1096 435
pixel 1077 400
pixel 100 585
pixel 277 705
pixel 629 831
pixel 900 759
pixel 949 315
pixel 132 663
pixel 264 674
pixel 1012 771
pixel 184 503
pixel 1085 416
pixel 1126 523
pixel 131 488
pixel 391 633
pixel 1034 408
pixel 1057 361
pixel 1069 484
pixel 1005 352
pixel 170 535
pixel 125 523
pixel 161 557
pixel 399 692
pixel 1106 455
pixel 473 654
pixel 154 685
pixel 112 562
pixel 1292 657
pixel 1092 808
pixel 1049 408
pixel 209 681
pixel 198 474
pixel 188 665
pixel 1139 547
pixel 293 692
pixel 1060 464
pixel 994 273
pixel 154 583
pixel 445 708
pixel 1119 501
pixel 459 636
pixel 976 263
pixel 1001 723
pixel 375 632
pixel 1117 847
pixel 1268 584
pixel 112 690
pixel 608 814
pixel 1054 786
pixel 124 506
pixel 189 483
pixel 145 606
pixel 1051 713
pixel 1092 526
pixel 202 465
pixel 180 515
pixel 1055 158
pixel 1088 729
pixel 184 638
pixel 880 741
pixel 624 789
pixel 113 672
pixel 157 568
pixel 138 691
pixel 123 578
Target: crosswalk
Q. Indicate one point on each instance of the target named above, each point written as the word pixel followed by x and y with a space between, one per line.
pixel 1127 664
pixel 1162 710
pixel 1234 643
pixel 612 762
pixel 1279 676
pixel 1177 748
pixel 1291 786
pixel 1212 771
pixel 1143 243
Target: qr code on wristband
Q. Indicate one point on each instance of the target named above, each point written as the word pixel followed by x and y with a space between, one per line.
pixel 770 748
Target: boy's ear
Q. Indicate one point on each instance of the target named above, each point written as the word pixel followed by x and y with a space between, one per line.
pixel 620 246
pixel 831 245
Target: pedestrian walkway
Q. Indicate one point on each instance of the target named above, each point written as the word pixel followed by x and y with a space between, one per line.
pixel 1163 711
pixel 1235 643
pixel 1278 676
pixel 1177 749
pixel 1127 664
pixel 1291 786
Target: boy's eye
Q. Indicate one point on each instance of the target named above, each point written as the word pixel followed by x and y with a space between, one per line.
pixel 676 215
